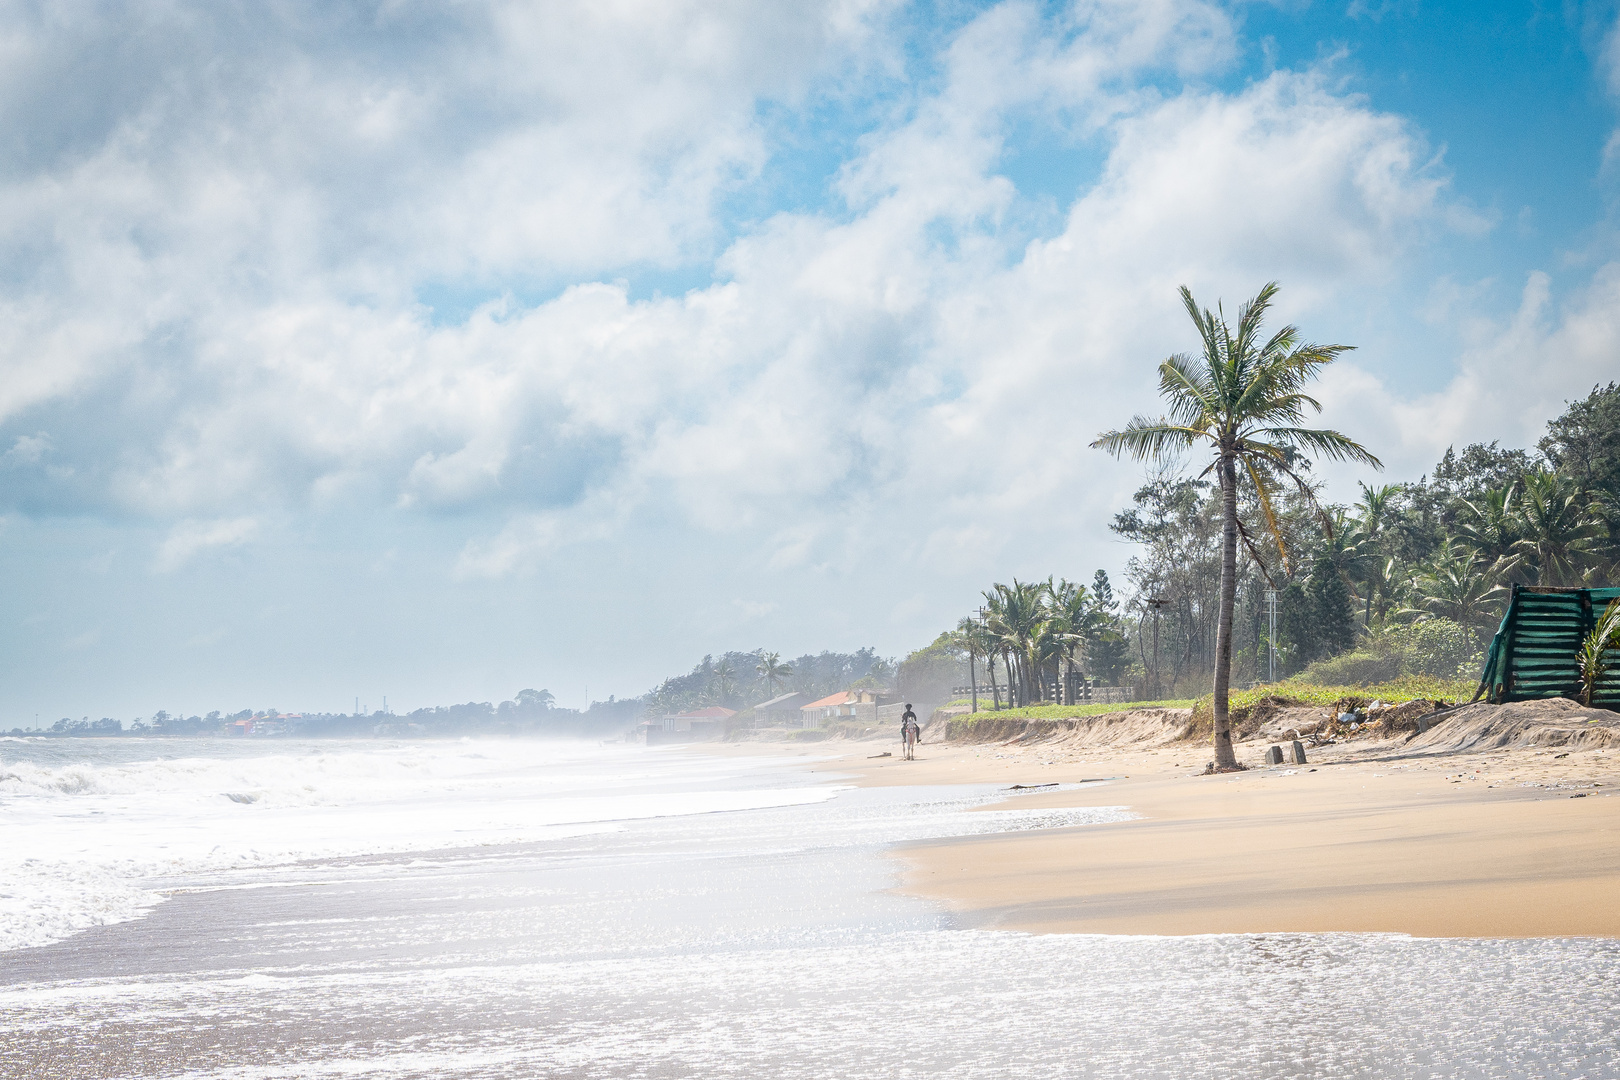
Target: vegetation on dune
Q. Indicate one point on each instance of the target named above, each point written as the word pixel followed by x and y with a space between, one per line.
pixel 1244 705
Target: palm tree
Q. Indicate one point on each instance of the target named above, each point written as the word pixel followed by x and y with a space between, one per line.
pixel 772 671
pixel 1076 618
pixel 1492 527
pixel 1372 568
pixel 1244 399
pixel 1562 532
pixel 1016 620
pixel 1456 586
pixel 971 638
pixel 723 681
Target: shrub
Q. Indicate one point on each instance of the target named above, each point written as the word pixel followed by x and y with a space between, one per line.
pixel 1243 705
pixel 1437 648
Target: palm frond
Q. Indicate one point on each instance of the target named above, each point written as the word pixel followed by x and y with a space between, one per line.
pixel 1330 444
pixel 1188 389
pixel 1153 440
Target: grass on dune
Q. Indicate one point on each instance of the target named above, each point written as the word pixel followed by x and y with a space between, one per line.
pixel 1394 692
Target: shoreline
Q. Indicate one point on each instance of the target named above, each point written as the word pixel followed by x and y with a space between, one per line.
pixel 1507 843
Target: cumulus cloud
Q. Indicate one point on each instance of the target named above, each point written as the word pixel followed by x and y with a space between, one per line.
pixel 188 539
pixel 1514 370
pixel 221 313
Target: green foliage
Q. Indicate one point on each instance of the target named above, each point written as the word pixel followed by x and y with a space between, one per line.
pixel 1436 648
pixel 1593 658
pixel 1330 601
pixel 1584 443
pixel 930 673
pixel 1300 692
pixel 1296 627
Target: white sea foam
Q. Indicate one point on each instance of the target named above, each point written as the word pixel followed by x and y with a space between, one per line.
pixel 92 824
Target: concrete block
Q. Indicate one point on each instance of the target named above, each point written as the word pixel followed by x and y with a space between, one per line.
pixel 1274 756
pixel 1299 752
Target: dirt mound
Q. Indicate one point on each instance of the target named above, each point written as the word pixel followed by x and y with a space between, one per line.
pixel 1124 728
pixel 1554 722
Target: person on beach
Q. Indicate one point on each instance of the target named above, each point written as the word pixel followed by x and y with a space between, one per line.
pixel 910 732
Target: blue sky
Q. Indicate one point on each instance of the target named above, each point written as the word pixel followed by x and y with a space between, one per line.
pixel 438 352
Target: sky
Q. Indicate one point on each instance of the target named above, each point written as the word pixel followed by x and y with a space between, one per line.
pixel 438 351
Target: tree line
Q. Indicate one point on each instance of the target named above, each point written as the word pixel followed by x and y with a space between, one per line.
pixel 1443 550
pixel 529 712
pixel 1242 403
pixel 737 680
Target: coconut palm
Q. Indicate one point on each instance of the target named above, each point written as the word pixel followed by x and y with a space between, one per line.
pixel 1076 619
pixel 1457 586
pixel 1492 526
pixel 1016 618
pixel 772 672
pixel 1371 568
pixel 723 682
pixel 1563 534
pixel 972 639
pixel 1244 400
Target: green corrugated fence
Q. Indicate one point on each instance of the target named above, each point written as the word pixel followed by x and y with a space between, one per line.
pixel 1533 653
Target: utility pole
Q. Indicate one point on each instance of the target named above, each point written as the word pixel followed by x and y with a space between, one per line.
pixel 1271 634
pixel 1156 602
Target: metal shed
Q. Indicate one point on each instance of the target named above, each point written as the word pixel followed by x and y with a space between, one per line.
pixel 1533 653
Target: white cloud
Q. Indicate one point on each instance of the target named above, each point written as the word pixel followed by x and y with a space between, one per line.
pixel 909 357
pixel 217 298
pixel 188 539
pixel 1514 371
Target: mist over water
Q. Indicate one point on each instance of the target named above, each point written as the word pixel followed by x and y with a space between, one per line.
pixel 509 909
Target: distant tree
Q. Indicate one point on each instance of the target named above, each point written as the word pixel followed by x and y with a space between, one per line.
pixel 1584 443
pixel 1330 605
pixel 1454 585
pixel 1563 532
pixel 929 674
pixel 1296 627
pixel 536 699
pixel 773 672
pixel 724 684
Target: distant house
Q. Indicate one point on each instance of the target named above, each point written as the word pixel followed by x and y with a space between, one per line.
pixel 696 723
pixel 844 705
pixel 780 711
pixel 276 724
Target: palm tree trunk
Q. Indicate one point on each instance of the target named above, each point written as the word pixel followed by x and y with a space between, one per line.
pixel 995 690
pixel 1224 758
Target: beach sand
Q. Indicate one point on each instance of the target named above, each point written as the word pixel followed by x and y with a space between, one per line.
pixel 1521 842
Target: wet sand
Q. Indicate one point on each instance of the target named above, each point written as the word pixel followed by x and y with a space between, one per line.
pixel 1509 843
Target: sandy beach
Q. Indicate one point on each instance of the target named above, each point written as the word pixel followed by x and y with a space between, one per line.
pixel 1518 842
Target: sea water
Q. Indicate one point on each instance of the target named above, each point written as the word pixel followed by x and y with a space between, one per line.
pixel 209 908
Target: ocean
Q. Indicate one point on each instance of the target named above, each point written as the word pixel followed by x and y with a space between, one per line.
pixel 494 908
